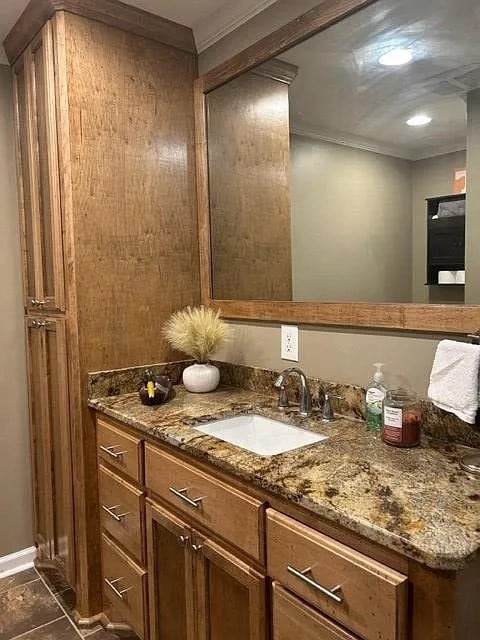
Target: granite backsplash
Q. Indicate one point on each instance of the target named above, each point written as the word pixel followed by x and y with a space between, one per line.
pixel 437 423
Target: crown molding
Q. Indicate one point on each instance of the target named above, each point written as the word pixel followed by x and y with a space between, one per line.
pixel 278 70
pixel 110 12
pixel 210 30
pixel 366 144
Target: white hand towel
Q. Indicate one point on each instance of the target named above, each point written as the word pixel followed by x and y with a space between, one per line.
pixel 454 381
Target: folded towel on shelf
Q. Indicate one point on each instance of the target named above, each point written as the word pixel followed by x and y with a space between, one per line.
pixel 454 381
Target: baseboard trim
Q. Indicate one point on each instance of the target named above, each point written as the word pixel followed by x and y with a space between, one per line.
pixel 17 561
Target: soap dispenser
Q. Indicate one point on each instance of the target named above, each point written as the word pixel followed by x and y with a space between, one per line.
pixel 374 400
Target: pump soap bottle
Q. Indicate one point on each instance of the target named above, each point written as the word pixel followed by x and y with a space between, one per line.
pixel 374 400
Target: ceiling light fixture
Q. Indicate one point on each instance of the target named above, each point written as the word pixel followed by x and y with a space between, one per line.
pixel 396 58
pixel 419 121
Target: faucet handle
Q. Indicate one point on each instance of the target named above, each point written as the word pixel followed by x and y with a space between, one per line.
pixel 327 411
pixel 283 402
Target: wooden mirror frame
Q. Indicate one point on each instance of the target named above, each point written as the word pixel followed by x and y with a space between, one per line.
pixel 432 318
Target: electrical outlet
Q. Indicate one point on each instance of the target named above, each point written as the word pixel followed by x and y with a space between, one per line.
pixel 289 344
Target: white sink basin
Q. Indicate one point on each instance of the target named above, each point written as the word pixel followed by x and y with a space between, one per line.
pixel 260 435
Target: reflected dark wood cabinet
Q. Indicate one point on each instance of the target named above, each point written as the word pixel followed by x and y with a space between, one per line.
pixel 446 236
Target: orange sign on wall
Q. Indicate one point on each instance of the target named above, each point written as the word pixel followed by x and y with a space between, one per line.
pixel 460 181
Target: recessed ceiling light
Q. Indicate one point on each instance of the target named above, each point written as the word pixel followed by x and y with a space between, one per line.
pixel 396 57
pixel 419 121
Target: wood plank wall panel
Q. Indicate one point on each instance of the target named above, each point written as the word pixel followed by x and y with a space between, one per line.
pixel 136 243
pixel 250 204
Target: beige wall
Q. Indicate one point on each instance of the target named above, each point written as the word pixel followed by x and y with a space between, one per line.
pixel 345 356
pixel 472 251
pixel 352 223
pixel 15 497
pixel 431 177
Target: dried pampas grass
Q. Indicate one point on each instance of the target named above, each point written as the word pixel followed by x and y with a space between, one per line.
pixel 196 331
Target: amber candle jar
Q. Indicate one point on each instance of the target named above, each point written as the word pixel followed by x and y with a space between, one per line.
pixel 402 419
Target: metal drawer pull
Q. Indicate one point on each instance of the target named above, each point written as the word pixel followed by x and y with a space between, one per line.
pixel 182 494
pixel 118 592
pixel 111 512
pixel 330 593
pixel 111 451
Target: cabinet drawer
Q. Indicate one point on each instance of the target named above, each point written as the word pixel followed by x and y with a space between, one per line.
pixel 121 511
pixel 292 618
pixel 124 587
pixel 119 449
pixel 360 593
pixel 227 512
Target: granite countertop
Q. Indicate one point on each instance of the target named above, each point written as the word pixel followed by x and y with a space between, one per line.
pixel 417 502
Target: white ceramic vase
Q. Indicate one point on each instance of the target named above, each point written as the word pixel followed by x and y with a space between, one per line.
pixel 201 378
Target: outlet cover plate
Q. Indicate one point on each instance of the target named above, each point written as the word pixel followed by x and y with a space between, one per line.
pixel 289 343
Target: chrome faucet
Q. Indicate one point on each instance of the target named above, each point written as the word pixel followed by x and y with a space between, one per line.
pixel 305 395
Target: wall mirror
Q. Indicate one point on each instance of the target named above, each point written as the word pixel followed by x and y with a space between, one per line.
pixel 341 170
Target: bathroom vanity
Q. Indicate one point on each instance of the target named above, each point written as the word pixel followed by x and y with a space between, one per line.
pixel 344 539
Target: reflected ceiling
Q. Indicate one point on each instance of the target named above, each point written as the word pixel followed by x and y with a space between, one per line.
pixel 342 93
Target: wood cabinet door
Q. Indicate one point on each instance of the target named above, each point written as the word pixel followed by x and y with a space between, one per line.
pixel 170 574
pixel 58 426
pixel 40 438
pixel 38 175
pixel 230 595
pixel 50 442
pixel 294 619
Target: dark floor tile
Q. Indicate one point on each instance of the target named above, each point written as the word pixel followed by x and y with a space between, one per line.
pixel 58 630
pixel 17 579
pixel 67 600
pixel 54 579
pixel 26 607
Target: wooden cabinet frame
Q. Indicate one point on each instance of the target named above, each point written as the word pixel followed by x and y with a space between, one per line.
pixel 411 317
pixel 52 475
pixel 199 553
pixel 35 295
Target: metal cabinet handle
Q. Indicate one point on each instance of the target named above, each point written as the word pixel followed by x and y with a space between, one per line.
pixel 118 592
pixel 112 513
pixel 183 539
pixel 197 547
pixel 182 494
pixel 330 593
pixel 111 451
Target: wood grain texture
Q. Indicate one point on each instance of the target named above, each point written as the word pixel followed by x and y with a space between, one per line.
pixel 234 516
pixel 133 190
pixel 171 579
pixel 132 608
pixel 249 182
pixel 128 206
pixel 127 501
pixel 203 202
pixel 292 618
pixel 374 598
pixel 411 317
pixel 51 289
pixel 125 450
pixel 111 12
pixel 231 595
pixel 84 459
pixel 317 19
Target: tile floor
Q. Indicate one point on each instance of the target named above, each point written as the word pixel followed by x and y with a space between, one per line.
pixel 37 606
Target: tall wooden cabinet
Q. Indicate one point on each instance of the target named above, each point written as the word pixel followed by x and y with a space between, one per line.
pixel 104 127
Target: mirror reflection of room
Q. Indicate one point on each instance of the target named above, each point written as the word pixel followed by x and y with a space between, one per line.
pixel 339 171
